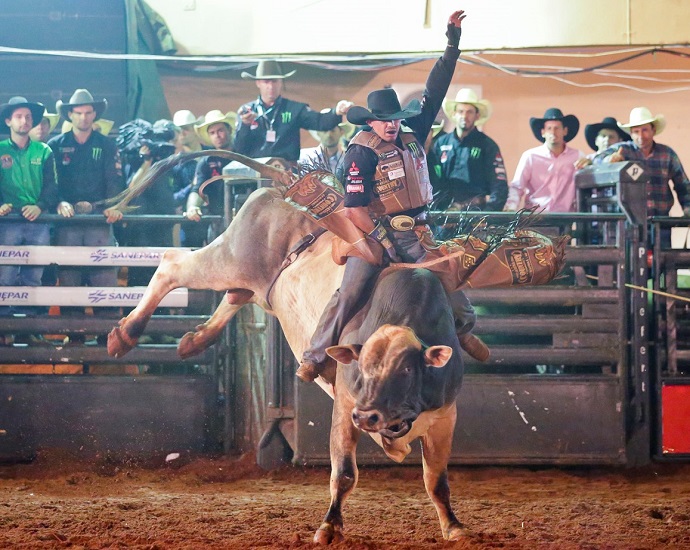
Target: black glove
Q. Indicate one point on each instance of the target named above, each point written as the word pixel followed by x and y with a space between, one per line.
pixel 380 235
pixel 453 33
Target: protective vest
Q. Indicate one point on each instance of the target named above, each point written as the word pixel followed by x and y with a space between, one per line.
pixel 401 181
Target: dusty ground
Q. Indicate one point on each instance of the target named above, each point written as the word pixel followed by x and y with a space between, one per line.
pixel 230 503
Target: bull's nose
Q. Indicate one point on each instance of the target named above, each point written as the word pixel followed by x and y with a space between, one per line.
pixel 366 420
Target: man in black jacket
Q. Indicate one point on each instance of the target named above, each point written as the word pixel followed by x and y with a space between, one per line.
pixel 270 125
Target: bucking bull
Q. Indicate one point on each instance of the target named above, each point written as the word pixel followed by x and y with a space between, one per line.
pixel 399 366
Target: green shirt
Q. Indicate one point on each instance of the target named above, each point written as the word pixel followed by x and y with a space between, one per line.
pixel 27 176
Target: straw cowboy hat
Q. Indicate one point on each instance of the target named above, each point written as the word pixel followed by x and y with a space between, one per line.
pixel 569 121
pixel 609 123
pixel 185 118
pixel 468 95
pixel 383 105
pixel 642 115
pixel 102 125
pixel 214 117
pixel 347 128
pixel 53 119
pixel 17 102
pixel 81 97
pixel 267 69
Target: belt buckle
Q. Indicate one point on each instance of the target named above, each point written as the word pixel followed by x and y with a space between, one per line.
pixel 402 223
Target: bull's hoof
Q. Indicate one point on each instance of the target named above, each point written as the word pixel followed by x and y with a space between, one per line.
pixel 193 343
pixel 119 343
pixel 456 532
pixel 328 534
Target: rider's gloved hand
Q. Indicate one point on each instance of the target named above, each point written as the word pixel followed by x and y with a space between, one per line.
pixel 454 30
pixel 380 235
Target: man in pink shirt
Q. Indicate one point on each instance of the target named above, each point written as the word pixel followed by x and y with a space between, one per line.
pixel 545 176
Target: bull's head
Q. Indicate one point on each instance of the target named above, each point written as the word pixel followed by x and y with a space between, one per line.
pixel 392 363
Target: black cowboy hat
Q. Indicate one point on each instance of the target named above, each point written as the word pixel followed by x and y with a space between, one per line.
pixel 81 97
pixel 383 105
pixel 609 123
pixel 267 69
pixel 569 121
pixel 16 102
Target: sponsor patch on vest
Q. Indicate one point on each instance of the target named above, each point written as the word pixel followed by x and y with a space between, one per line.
pixel 384 188
pixel 388 155
pixel 520 266
pixel 391 165
pixel 355 188
pixel 6 161
pixel 395 174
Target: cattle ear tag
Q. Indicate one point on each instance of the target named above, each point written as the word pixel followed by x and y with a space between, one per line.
pixel 437 356
pixel 344 354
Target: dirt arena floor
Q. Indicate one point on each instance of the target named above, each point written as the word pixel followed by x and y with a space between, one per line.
pixel 56 502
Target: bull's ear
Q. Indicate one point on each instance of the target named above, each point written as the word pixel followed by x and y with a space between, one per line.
pixel 344 354
pixel 437 356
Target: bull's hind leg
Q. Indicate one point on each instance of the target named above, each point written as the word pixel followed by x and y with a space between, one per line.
pixel 206 334
pixel 436 448
pixel 344 437
pixel 166 278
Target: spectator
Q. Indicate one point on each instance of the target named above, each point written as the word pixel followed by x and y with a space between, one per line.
pixel 216 130
pixel 42 130
pixel 661 161
pixel 187 140
pixel 270 125
pixel 88 173
pixel 156 199
pixel 28 187
pixel 332 144
pixel 102 126
pixel 545 176
pixel 469 167
pixel 601 136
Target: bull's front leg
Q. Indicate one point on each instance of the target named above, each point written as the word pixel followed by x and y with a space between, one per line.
pixel 436 448
pixel 344 473
pixel 125 336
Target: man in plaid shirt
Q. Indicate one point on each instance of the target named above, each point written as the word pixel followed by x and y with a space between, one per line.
pixel 661 161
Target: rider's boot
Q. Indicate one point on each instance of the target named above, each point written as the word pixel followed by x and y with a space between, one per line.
pixel 474 347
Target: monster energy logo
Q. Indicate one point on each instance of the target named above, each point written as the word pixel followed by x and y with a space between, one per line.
pixel 96 153
pixel 287 117
pixel 414 148
pixel 475 152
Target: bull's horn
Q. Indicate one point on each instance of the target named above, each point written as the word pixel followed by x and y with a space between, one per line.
pixel 274 173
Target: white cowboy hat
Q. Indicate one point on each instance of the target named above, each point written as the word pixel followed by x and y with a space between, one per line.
pixel 267 69
pixel 214 117
pixel 468 95
pixel 185 118
pixel 102 125
pixel 53 119
pixel 642 115
pixel 347 127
